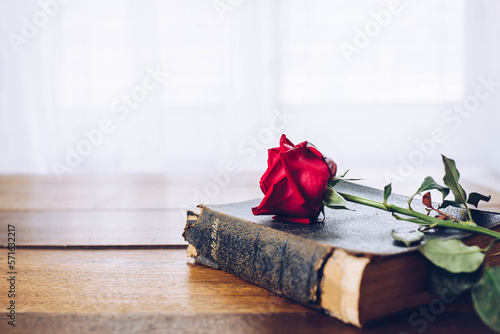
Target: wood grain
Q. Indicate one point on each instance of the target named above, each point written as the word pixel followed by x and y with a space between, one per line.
pixel 110 290
pixel 132 281
pixel 117 291
pixel 296 323
pixel 99 228
pixel 89 192
pixel 122 192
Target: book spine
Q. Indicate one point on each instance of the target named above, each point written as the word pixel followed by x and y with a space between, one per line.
pixel 285 264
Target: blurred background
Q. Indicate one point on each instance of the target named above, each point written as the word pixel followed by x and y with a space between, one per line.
pixel 199 86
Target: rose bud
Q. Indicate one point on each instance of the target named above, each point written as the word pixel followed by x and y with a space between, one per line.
pixel 294 182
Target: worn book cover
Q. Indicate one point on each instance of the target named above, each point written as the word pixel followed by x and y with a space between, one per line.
pixel 348 265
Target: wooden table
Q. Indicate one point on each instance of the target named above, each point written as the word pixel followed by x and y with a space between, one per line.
pixel 104 254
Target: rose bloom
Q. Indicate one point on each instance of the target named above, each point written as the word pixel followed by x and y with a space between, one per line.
pixel 294 182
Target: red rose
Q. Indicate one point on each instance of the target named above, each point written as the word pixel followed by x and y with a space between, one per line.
pixel 294 182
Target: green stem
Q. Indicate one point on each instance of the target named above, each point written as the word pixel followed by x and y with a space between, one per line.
pixel 422 216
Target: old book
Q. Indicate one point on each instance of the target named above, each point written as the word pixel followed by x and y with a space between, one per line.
pixel 348 266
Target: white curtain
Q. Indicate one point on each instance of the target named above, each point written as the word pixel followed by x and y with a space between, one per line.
pixel 158 86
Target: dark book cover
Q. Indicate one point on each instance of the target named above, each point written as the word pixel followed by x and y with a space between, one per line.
pixel 288 258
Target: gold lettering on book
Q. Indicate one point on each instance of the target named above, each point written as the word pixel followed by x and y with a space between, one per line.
pixel 215 245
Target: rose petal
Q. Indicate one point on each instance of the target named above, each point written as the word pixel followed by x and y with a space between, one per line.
pixel 292 219
pixel 295 181
pixel 285 144
pixel 280 200
pixel 273 173
pixel 308 175
pixel 331 165
pixel 272 155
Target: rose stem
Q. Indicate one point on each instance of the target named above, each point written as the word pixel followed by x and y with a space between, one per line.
pixel 431 220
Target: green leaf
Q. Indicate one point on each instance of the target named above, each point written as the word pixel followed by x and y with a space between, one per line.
pixel 474 198
pixel 453 255
pixel 451 178
pixel 407 237
pixel 387 193
pixel 430 184
pixel 447 203
pixel 334 200
pixel 441 281
pixel 343 175
pixel 486 297
pixel 336 179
